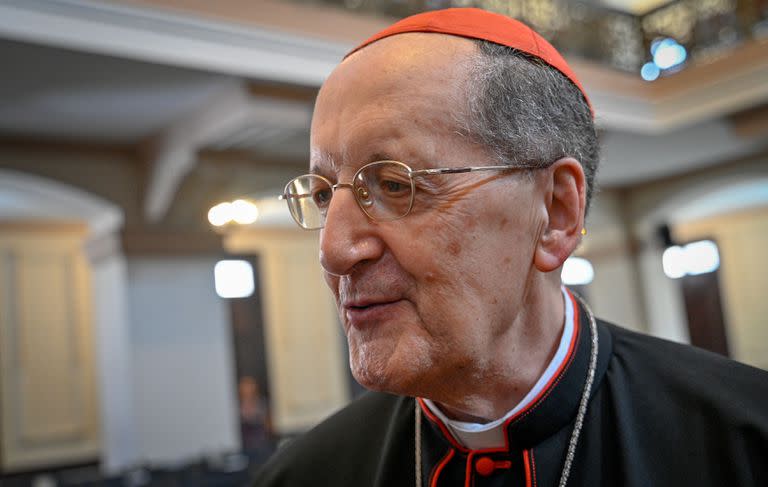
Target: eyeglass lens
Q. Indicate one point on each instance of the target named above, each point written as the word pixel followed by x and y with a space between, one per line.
pixel 383 190
pixel 301 195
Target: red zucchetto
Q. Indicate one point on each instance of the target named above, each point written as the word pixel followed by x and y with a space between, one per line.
pixel 475 23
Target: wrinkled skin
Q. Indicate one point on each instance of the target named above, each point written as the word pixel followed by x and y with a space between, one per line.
pixel 459 301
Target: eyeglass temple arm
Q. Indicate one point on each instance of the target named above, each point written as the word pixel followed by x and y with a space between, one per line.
pixel 336 186
pixel 293 196
pixel 457 170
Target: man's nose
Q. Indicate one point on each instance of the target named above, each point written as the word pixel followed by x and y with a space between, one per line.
pixel 348 237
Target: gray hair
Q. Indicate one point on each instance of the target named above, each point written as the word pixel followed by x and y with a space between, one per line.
pixel 527 112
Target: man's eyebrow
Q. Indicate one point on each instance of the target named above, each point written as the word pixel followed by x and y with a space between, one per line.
pixel 380 156
pixel 320 161
pixel 324 163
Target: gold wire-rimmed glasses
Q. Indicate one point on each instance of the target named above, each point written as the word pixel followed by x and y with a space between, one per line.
pixel 384 190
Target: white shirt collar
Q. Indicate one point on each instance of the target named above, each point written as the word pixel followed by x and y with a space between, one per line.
pixel 477 436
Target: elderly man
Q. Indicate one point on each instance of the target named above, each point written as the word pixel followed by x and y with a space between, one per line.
pixel 452 162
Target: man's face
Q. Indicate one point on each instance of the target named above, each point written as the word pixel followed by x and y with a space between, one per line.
pixel 425 300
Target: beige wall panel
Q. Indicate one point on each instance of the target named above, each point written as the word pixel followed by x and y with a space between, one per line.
pixel 47 375
pixel 304 350
pixel 742 238
pixel 48 359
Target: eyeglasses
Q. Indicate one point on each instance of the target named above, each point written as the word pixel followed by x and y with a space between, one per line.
pixel 384 190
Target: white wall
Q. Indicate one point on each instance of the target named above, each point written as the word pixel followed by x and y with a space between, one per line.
pixel 183 360
pixel 113 352
pixel 665 308
pixel 615 293
pixel 306 361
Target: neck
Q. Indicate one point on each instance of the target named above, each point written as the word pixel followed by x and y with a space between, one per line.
pixel 522 353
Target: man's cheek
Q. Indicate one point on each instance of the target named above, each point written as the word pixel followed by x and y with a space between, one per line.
pixel 333 283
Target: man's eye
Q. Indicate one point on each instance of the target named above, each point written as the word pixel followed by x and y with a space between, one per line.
pixel 322 197
pixel 394 188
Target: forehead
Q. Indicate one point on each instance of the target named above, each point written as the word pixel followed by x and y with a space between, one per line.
pixel 398 89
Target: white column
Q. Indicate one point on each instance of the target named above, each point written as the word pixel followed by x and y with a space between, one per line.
pixel 113 355
pixel 665 309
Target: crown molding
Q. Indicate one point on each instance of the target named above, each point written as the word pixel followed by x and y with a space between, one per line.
pixel 167 37
pixel 195 38
pixel 702 91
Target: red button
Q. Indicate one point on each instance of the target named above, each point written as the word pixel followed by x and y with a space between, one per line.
pixel 485 466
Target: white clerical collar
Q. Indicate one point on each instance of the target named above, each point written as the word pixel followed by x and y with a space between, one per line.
pixel 477 436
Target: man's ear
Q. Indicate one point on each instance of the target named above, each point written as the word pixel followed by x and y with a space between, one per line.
pixel 566 205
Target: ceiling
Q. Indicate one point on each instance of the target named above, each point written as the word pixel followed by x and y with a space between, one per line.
pixel 179 82
pixel 64 94
pixel 635 7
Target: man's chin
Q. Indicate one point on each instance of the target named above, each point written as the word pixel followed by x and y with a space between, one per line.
pixel 373 381
pixel 392 382
pixel 394 366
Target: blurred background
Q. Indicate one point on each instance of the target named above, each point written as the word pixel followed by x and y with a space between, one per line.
pixel 162 319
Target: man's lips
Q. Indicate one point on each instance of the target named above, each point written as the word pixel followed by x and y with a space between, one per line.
pixel 366 302
pixel 367 312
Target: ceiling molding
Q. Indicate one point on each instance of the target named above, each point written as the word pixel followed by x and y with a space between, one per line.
pixel 223 158
pixel 284 92
pixel 735 170
pixel 751 123
pixel 159 241
pixel 42 144
pixel 194 38
pixel 314 20
pixel 171 38
pixel 173 153
pixel 635 7
pixel 29 197
pixel 704 91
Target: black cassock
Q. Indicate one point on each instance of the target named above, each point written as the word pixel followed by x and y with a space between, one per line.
pixel 661 414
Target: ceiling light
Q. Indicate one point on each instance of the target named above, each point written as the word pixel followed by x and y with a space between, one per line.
pixel 668 53
pixel 220 214
pixel 244 212
pixel 650 71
